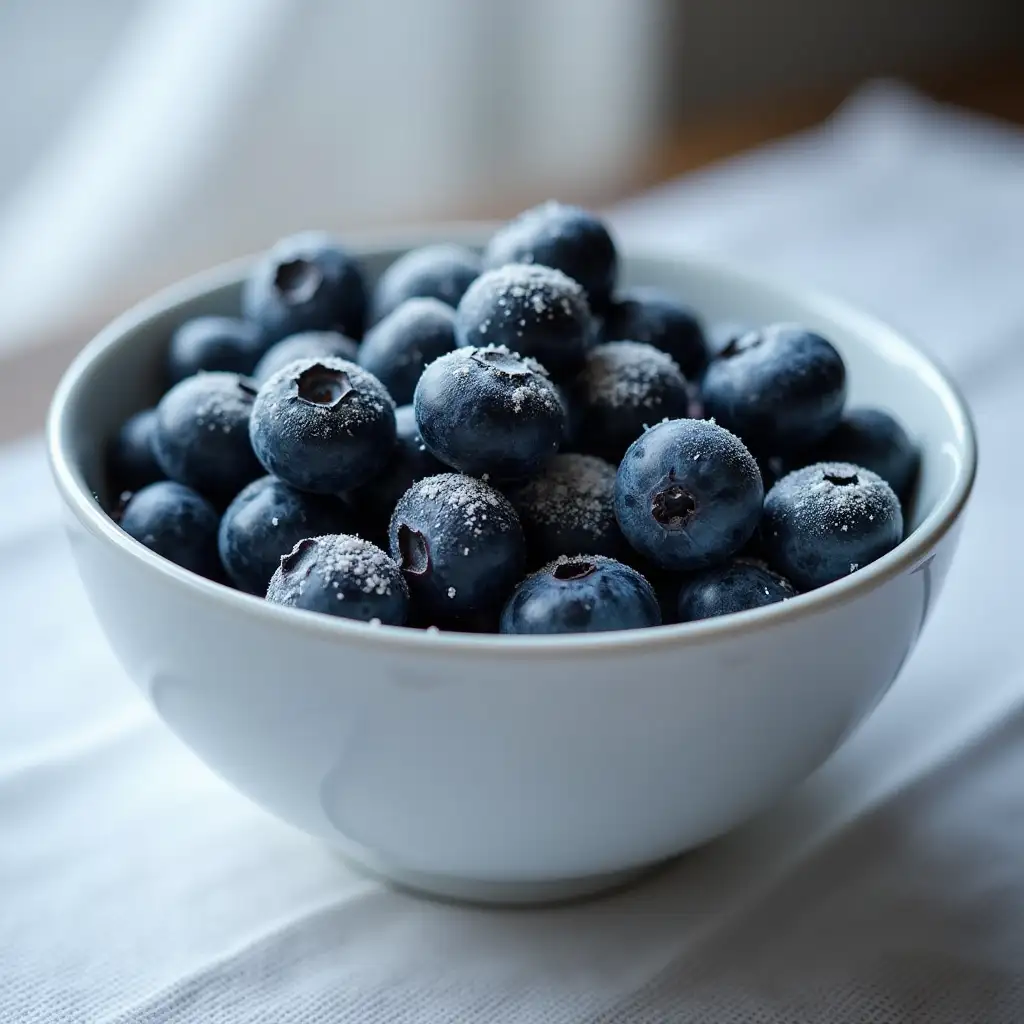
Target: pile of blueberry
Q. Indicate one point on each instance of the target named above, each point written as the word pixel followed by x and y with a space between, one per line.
pixel 504 442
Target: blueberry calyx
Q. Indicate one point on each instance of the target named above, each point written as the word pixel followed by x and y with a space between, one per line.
pixel 741 343
pixel 290 561
pixel 673 506
pixel 506 362
pixel 414 549
pixel 297 280
pixel 569 571
pixel 320 385
pixel 842 479
pixel 247 388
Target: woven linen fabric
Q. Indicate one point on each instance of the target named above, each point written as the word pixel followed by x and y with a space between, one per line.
pixel 889 888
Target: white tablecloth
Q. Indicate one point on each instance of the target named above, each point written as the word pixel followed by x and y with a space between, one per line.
pixel 134 886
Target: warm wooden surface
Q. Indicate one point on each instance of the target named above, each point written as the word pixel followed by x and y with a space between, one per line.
pixel 995 88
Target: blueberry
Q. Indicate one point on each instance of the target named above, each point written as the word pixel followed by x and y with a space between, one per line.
pixel 441 272
pixel 581 594
pixel 873 439
pixel 688 494
pixel 306 282
pixel 564 237
pixel 733 587
pixel 781 388
pixel 410 461
pixel 176 522
pixel 213 343
pixel 624 387
pixel 343 576
pixel 489 411
pixel 827 520
pixel 307 345
pixel 460 545
pixel 131 464
pixel 569 509
pixel 265 521
pixel 656 318
pixel 323 425
pixel 535 311
pixel 397 349
pixel 202 434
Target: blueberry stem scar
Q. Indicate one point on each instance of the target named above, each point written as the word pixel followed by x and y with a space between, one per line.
pixel 415 550
pixel 320 385
pixel 840 480
pixel 292 559
pixel 297 280
pixel 506 362
pixel 673 506
pixel 572 570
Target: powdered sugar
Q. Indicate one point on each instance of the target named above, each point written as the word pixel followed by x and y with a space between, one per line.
pixel 346 564
pixel 574 491
pixel 519 381
pixel 477 502
pixel 629 373
pixel 365 401
pixel 838 497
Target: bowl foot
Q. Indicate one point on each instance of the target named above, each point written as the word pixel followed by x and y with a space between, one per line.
pixel 493 893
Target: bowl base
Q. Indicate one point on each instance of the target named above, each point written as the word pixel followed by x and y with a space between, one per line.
pixel 493 893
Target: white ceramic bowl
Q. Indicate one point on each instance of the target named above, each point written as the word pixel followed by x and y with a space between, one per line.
pixel 513 768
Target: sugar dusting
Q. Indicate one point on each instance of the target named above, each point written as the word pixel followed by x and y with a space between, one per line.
pixel 824 508
pixel 366 402
pixel 219 401
pixel 629 373
pixel 526 295
pixel 575 491
pixel 481 507
pixel 523 384
pixel 344 563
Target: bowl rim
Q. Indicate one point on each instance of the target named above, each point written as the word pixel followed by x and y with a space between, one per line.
pixel 912 552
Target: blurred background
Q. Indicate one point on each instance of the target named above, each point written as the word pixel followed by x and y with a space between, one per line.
pixel 146 139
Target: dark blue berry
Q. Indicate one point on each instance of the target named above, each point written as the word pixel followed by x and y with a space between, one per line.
pixel 533 310
pixel 265 521
pixel 176 522
pixel 780 388
pixel 410 461
pixel 623 388
pixel 460 545
pixel 827 520
pixel 581 594
pixel 688 494
pixel 656 318
pixel 873 439
pixel 131 464
pixel 397 349
pixel 569 509
pixel 733 587
pixel 489 411
pixel 564 237
pixel 441 272
pixel 202 434
pixel 214 343
pixel 323 425
pixel 307 345
pixel 344 576
pixel 306 282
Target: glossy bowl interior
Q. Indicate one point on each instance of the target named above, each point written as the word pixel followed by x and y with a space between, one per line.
pixel 513 767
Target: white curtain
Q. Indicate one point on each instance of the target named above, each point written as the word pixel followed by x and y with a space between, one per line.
pixel 147 138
